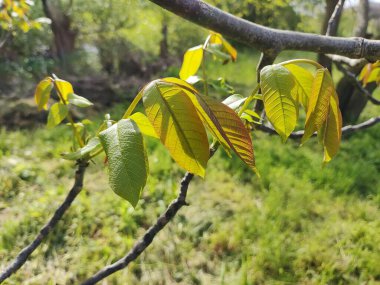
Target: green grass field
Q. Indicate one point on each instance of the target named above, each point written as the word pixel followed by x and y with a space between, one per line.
pixel 298 224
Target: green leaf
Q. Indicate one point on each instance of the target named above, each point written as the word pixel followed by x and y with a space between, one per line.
pixel 57 114
pixel 323 88
pixel 276 84
pixel 78 100
pixel 93 145
pixel 331 131
pixel 64 88
pixel 304 83
pixel 144 124
pixel 191 62
pixel 223 123
pixel 216 50
pixel 42 93
pixel 127 159
pixel 216 38
pixel 176 122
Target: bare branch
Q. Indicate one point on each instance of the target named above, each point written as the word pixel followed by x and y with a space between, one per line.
pixel 150 234
pixel 264 38
pixel 357 84
pixel 345 130
pixel 332 26
pixel 28 250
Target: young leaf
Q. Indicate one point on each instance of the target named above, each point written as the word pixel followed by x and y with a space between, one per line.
pixel 78 100
pixel 42 93
pixel 332 130
pixel 92 145
pixel 234 101
pixel 64 88
pixel 216 38
pixel 177 124
pixel 304 82
pixel 127 159
pixel 191 62
pixel 276 85
pixel 57 114
pixel 144 125
pixel 222 121
pixel 323 88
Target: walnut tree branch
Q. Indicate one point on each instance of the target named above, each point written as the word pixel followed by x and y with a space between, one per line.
pixel 334 19
pixel 345 130
pixel 29 249
pixel 264 38
pixel 150 234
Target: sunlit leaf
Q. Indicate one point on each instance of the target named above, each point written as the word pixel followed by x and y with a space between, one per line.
pixel 64 88
pixel 331 131
pixel 304 82
pixel 177 124
pixel 144 124
pixel 216 38
pixel 322 90
pixel 234 101
pixel 57 114
pixel 42 93
pixel 276 84
pixel 223 123
pixel 92 146
pixel 127 159
pixel 191 62
pixel 78 100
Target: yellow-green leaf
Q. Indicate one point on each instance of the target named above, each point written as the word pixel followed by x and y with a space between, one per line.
pixel 304 83
pixel 216 38
pixel 42 93
pixel 78 100
pixel 191 62
pixel 223 123
pixel 177 124
pixel 323 88
pixel 144 124
pixel 127 159
pixel 92 146
pixel 332 130
pixel 282 111
pixel 57 114
pixel 64 88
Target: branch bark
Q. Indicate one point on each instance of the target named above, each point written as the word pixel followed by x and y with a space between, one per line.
pixel 150 234
pixel 345 130
pixel 23 255
pixel 264 38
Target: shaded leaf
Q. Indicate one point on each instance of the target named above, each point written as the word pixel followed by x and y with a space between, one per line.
pixel 276 84
pixel 78 100
pixel 92 146
pixel 323 88
pixel 191 62
pixel 57 114
pixel 127 159
pixel 42 93
pixel 177 124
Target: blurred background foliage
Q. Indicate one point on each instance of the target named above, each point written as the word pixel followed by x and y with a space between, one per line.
pixel 299 224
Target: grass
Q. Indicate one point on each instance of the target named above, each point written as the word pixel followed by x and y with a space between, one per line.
pixel 299 224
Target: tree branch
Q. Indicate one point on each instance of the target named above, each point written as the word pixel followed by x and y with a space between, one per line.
pixel 264 38
pixel 345 130
pixel 357 84
pixel 28 250
pixel 150 234
pixel 332 26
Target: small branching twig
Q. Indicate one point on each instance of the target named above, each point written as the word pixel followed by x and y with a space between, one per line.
pixel 28 250
pixel 150 234
pixel 345 130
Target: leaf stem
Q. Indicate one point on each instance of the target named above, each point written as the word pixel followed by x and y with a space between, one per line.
pixel 249 100
pixel 204 74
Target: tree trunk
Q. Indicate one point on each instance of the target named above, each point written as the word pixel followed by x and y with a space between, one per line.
pixel 164 49
pixel 64 35
pixel 352 102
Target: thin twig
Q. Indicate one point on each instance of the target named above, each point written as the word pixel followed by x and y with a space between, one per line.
pixel 334 19
pixel 46 229
pixel 150 234
pixel 345 130
pixel 357 84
